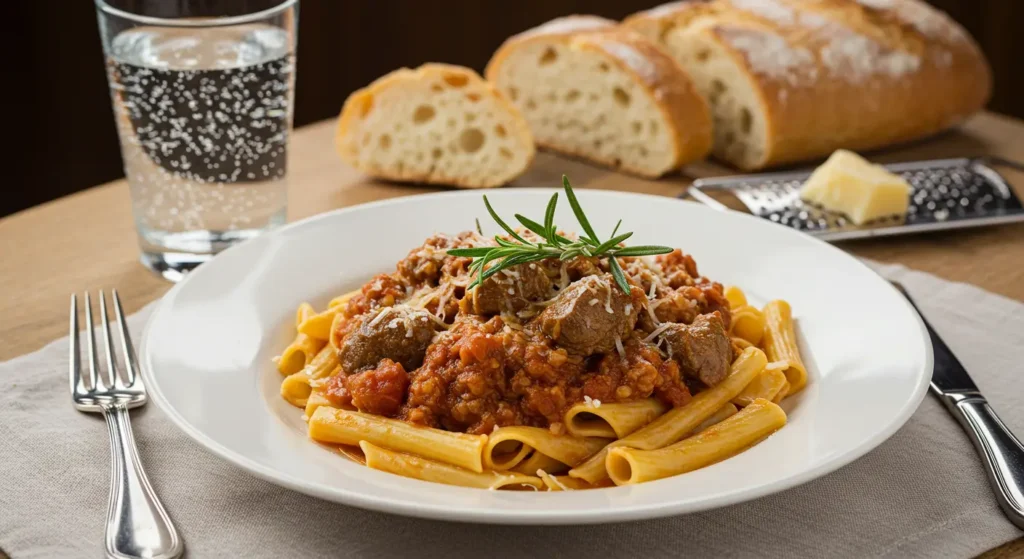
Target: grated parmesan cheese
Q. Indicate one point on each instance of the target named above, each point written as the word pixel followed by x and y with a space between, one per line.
pixel 593 302
pixel 546 476
pixel 657 332
pixel 563 277
pixel 380 316
pixel 619 348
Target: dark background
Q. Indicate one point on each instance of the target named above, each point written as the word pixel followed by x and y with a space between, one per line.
pixel 64 134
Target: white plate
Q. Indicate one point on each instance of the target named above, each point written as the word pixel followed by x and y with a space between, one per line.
pixel 207 352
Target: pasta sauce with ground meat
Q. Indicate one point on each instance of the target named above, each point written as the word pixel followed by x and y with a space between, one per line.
pixel 529 342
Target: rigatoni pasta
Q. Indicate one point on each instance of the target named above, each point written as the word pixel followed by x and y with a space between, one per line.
pixel 678 422
pixel 411 465
pixel 780 343
pixel 718 442
pixel 508 446
pixel 615 420
pixel 550 375
pixel 303 348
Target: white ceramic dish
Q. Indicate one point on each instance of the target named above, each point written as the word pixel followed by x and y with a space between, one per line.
pixel 207 352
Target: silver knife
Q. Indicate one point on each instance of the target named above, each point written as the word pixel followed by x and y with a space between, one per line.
pixel 1002 452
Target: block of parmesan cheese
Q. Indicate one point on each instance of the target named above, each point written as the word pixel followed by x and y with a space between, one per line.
pixel 851 185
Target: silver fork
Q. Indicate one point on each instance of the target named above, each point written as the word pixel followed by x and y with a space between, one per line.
pixel 137 524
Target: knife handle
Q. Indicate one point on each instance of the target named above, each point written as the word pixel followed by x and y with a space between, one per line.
pixel 1002 452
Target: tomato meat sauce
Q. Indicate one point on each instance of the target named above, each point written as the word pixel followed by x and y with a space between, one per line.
pixel 525 345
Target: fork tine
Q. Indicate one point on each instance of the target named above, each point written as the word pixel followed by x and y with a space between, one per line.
pixel 90 344
pixel 112 376
pixel 75 359
pixel 131 364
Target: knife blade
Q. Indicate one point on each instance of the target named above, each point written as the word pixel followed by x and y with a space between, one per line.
pixel 949 375
pixel 1001 452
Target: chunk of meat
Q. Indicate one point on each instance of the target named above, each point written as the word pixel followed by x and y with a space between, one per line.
pixel 400 333
pixel 702 349
pixel 511 290
pixel 588 316
pixel 379 391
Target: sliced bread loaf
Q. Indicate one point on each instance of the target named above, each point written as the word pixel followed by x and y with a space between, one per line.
pixel 591 89
pixel 436 124
pixel 794 80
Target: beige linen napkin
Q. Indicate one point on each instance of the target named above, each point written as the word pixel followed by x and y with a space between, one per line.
pixel 920 494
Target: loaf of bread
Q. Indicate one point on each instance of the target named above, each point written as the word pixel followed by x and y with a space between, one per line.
pixel 794 80
pixel 591 89
pixel 437 124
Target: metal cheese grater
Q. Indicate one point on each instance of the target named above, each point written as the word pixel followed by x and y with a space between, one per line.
pixel 947 194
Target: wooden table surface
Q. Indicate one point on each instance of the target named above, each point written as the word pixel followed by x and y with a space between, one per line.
pixel 86 241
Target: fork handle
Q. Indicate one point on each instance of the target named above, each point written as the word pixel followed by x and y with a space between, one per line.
pixel 1002 452
pixel 137 524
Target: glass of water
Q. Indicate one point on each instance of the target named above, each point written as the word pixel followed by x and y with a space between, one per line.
pixel 202 93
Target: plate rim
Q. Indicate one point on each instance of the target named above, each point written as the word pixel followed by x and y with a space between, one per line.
pixel 532 516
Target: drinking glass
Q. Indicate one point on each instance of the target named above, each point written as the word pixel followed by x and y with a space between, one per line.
pixel 202 92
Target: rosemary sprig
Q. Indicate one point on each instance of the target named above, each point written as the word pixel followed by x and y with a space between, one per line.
pixel 552 245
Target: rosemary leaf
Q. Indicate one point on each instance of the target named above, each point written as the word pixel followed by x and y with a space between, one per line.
pixel 576 209
pixel 614 231
pixel 611 243
pixel 618 274
pixel 502 223
pixel 471 252
pixel 642 250
pixel 549 218
pixel 534 226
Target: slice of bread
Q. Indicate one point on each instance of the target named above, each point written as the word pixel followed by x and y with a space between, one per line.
pixel 792 81
pixel 437 124
pixel 591 89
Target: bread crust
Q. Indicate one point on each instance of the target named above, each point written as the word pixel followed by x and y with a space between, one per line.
pixel 661 77
pixel 870 73
pixel 354 105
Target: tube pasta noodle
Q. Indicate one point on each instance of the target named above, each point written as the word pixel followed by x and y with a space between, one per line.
pixel 678 422
pixel 508 446
pixel 767 385
pixel 296 389
pixel 337 426
pixel 782 393
pixel 566 483
pixel 735 296
pixel 303 348
pixel 342 299
pixel 748 323
pixel 334 338
pixel 615 420
pixel 325 364
pixel 741 343
pixel 780 343
pixel 722 414
pixel 718 442
pixel 318 326
pixel 540 461
pixel 413 466
pixel 317 399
